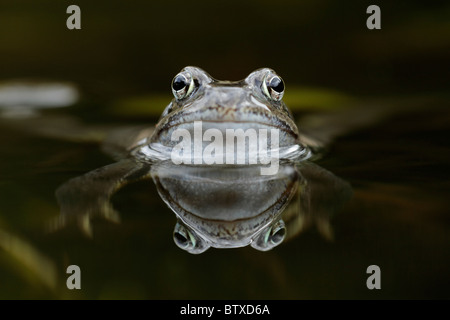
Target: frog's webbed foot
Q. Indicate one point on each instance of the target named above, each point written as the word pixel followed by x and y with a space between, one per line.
pixel 320 195
pixel 88 196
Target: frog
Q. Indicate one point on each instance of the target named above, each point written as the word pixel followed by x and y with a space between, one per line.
pixel 215 206
pixel 253 103
pixel 238 207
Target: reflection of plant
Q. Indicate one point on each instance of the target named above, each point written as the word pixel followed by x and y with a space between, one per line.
pixel 28 262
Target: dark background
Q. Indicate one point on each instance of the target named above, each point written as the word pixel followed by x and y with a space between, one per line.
pixel 136 47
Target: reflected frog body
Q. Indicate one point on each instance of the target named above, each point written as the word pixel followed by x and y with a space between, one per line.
pixel 236 207
pixel 222 206
pixel 225 208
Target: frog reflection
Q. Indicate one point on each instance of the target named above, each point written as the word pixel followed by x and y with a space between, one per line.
pixel 237 207
pixel 216 206
pixel 225 207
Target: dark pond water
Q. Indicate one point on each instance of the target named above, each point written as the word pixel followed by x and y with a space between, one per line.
pixel 397 219
pixel 122 62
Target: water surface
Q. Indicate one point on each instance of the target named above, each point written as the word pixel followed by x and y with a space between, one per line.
pixel 397 218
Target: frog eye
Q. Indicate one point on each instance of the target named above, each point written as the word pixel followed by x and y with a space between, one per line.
pixel 182 85
pixel 188 240
pixel 273 86
pixel 270 237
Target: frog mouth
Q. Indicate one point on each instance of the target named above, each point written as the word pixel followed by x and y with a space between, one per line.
pixel 233 143
pixel 259 132
pixel 250 114
pixel 164 133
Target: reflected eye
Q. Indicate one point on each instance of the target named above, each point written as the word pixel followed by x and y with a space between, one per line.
pixel 273 86
pixel 187 240
pixel 271 237
pixel 181 239
pixel 278 233
pixel 182 85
